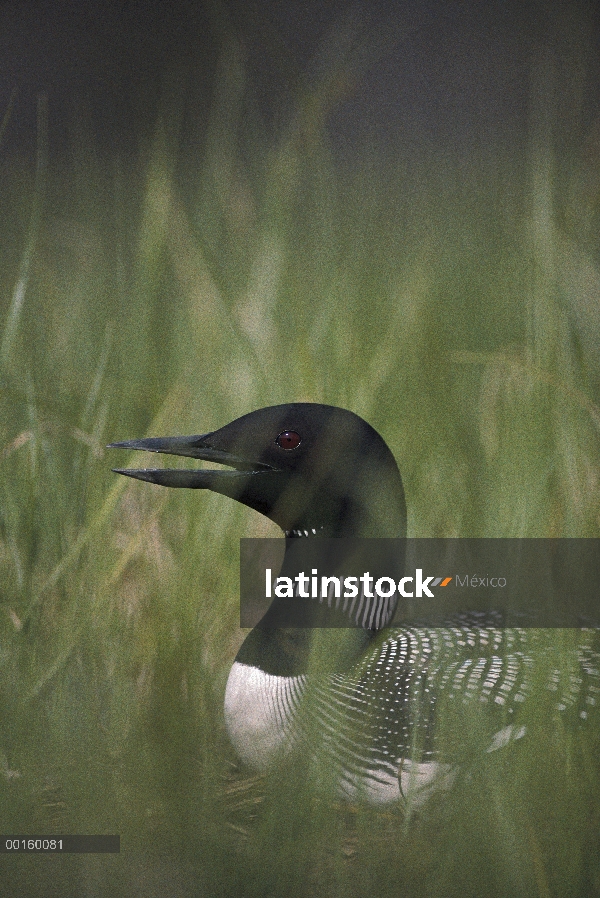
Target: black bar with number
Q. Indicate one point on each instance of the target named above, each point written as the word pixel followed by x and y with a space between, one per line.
pixel 60 844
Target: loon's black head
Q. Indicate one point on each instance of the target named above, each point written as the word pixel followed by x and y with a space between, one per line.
pixel 312 469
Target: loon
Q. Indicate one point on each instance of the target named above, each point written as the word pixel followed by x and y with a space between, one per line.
pixel 321 471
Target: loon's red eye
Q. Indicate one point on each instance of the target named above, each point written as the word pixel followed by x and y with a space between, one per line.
pixel 289 439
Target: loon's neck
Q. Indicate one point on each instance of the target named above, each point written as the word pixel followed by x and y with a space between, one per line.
pixel 287 651
pixel 282 645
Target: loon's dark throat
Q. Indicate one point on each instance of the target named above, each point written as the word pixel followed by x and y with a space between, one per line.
pixel 319 471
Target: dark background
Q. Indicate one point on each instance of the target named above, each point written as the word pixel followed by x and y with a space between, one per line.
pixel 413 74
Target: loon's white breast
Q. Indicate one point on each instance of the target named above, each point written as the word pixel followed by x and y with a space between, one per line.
pixel 261 717
pixel 259 713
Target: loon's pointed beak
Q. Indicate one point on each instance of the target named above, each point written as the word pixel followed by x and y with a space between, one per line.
pixel 229 483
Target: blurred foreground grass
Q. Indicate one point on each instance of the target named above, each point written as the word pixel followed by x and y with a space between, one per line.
pixel 437 298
